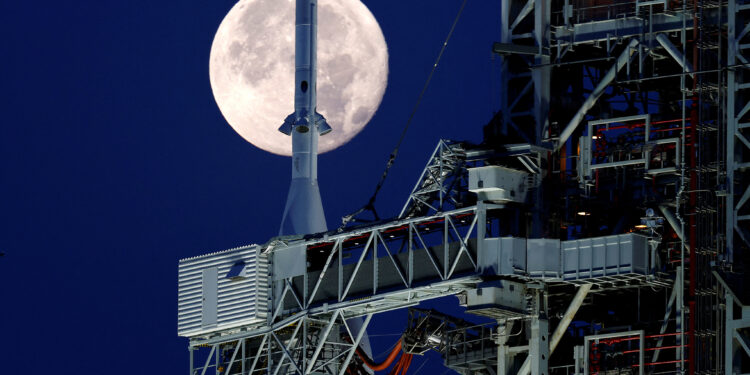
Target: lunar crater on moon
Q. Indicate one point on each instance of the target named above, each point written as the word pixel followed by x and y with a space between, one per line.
pixel 252 70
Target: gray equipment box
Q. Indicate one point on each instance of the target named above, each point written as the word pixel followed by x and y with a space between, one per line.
pixel 498 184
pixel 221 291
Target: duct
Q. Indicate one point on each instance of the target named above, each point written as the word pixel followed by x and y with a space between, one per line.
pixel 672 50
pixel 581 294
pixel 622 60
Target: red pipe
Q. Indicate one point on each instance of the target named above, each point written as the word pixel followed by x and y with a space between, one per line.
pixel 663 335
pixel 640 124
pixel 652 349
pixel 659 363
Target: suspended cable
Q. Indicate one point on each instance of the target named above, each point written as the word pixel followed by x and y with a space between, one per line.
pixel 424 361
pixel 386 351
pixel 371 202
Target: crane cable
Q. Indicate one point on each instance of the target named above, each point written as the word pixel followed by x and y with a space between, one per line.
pixel 371 203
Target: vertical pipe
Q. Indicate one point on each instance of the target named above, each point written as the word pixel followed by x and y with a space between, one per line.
pixel 505 37
pixel 680 316
pixel 640 355
pixel 481 218
pixel 410 243
pixel 244 356
pixel 694 119
pixel 218 354
pixel 575 304
pixel 731 128
pixel 305 325
pixel 192 370
pixel 693 243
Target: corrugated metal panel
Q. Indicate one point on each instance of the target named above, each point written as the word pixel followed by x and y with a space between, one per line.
pixel 239 300
pixel 605 256
pixel 543 258
pixel 552 259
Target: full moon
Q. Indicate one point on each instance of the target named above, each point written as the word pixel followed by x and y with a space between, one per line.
pixel 252 70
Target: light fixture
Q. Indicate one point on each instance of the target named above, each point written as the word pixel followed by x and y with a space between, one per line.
pixel 584 213
pixel 435 340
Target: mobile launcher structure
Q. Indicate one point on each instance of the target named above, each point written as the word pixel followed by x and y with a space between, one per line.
pixel 602 225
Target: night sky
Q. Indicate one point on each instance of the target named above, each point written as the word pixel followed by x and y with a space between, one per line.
pixel 115 163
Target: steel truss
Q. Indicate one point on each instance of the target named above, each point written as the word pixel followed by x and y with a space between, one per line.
pixel 308 308
pixel 736 330
pixel 442 179
pixel 362 272
pixel 324 344
pixel 435 248
pixel 738 123
pixel 445 246
pixel 714 188
pixel 395 279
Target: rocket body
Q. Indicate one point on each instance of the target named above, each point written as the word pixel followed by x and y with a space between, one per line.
pixel 303 213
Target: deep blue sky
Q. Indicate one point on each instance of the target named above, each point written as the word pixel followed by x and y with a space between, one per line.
pixel 115 162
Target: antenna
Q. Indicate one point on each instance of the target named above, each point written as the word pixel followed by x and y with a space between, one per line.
pixel 303 213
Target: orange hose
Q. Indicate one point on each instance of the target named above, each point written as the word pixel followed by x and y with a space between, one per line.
pixel 397 368
pixel 407 363
pixel 383 365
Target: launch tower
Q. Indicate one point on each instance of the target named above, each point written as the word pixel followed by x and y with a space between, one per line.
pixel 602 225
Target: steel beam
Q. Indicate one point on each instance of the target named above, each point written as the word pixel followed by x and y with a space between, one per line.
pixel 605 30
pixel 539 349
pixel 676 54
pixel 598 91
pixel 667 313
pixel 208 360
pixel 575 304
pixel 355 344
pixel 234 355
pixel 257 355
pixel 322 339
pixel 571 311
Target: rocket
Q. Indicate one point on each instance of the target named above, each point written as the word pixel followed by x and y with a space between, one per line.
pixel 303 213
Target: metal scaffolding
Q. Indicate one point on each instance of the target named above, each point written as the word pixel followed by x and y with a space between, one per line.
pixel 601 226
